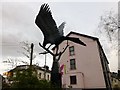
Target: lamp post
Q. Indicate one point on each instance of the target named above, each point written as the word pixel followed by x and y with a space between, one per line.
pixel 45 63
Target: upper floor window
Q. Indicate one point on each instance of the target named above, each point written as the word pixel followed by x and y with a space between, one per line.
pixel 72 64
pixel 48 77
pixel 71 51
pixel 14 74
pixel 40 75
pixel 73 79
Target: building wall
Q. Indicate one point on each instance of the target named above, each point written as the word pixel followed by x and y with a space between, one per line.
pixel 88 65
pixel 40 75
pixel 106 69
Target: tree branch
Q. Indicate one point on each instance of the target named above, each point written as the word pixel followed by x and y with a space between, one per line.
pixel 57 54
pixel 60 54
pixel 26 55
pixel 47 50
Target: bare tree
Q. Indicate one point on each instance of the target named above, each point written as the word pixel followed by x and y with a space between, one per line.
pixel 109 25
pixel 108 35
pixel 108 29
pixel 26 46
pixel 13 62
pixel 26 52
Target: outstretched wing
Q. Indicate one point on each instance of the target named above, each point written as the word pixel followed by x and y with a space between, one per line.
pixel 46 23
pixel 60 28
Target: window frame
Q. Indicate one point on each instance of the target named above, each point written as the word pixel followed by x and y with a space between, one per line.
pixel 72 64
pixel 40 75
pixel 71 50
pixel 73 80
pixel 48 77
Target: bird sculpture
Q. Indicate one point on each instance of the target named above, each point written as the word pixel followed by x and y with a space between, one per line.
pixel 52 33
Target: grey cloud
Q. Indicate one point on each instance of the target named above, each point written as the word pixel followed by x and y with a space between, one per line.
pixel 17 26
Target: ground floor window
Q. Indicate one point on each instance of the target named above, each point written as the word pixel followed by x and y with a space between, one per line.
pixel 73 79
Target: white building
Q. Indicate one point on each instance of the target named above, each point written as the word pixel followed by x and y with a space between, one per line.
pixel 85 67
pixel 39 71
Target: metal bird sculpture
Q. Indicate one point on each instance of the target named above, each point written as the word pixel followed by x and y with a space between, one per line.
pixel 52 33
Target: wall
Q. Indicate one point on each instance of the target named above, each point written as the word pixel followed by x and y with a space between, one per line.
pixel 89 69
pixel 42 74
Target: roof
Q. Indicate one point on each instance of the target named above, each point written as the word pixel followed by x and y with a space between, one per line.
pixel 22 67
pixel 94 38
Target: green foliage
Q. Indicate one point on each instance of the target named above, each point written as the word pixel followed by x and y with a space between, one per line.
pixel 28 79
pixel 116 87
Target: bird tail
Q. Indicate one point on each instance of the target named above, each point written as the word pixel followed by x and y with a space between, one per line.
pixel 76 40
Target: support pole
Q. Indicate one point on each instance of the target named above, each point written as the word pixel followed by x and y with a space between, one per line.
pixel 31 57
pixel 31 54
pixel 55 72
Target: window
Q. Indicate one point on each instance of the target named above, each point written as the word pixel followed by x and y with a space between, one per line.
pixel 40 75
pixel 71 50
pixel 48 77
pixel 72 64
pixel 73 80
pixel 21 72
pixel 14 74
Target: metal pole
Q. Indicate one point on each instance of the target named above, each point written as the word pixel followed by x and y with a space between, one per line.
pixel 31 57
pixel 31 54
pixel 45 63
pixel 45 68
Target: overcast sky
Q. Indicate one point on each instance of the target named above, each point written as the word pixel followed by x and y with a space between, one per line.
pixel 17 25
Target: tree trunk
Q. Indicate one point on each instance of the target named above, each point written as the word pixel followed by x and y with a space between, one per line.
pixel 55 74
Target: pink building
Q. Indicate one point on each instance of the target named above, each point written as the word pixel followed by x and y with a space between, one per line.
pixel 84 67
